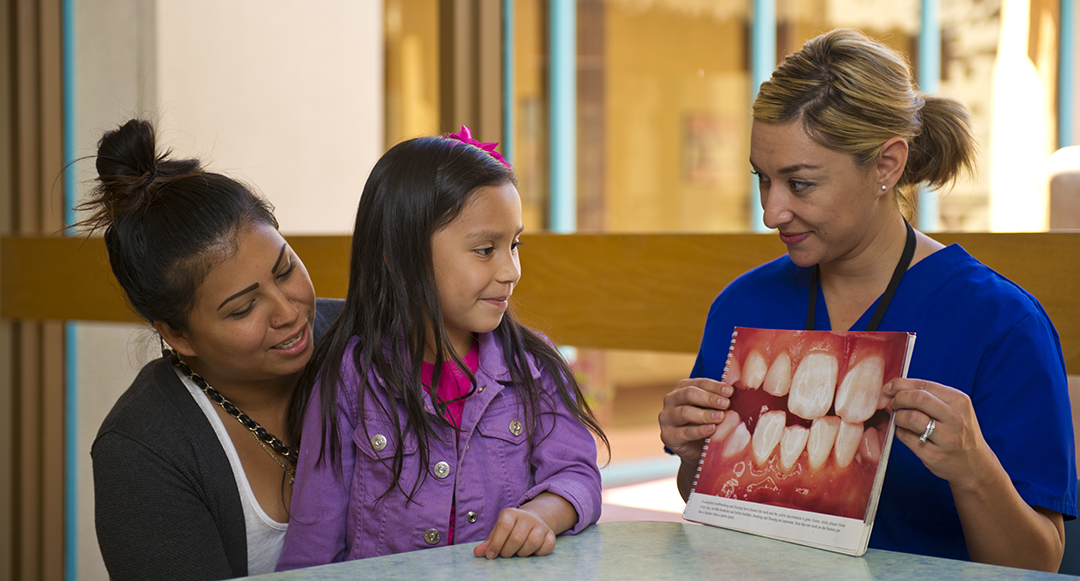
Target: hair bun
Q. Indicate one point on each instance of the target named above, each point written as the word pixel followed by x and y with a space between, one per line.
pixel 129 151
pixel 166 221
pixel 131 174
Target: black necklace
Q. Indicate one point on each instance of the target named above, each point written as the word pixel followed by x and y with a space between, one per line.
pixel 260 433
pixel 883 304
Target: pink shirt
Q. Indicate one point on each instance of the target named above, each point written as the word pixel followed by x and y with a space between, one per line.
pixel 453 383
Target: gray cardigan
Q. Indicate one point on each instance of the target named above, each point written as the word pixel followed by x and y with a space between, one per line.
pixel 166 503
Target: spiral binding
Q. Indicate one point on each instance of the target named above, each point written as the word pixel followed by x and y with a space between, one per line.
pixel 705 448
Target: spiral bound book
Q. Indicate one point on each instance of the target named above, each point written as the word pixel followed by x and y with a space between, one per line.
pixel 801 453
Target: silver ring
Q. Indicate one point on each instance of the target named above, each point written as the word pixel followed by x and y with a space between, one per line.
pixel 929 430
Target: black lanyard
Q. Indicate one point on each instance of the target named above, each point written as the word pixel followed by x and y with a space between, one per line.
pixel 883 304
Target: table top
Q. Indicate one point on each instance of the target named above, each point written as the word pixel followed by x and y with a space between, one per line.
pixel 660 550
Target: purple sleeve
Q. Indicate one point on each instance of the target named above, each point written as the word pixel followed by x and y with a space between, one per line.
pixel 318 515
pixel 564 463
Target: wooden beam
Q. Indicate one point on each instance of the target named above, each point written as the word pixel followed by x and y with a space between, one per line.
pixel 628 291
pixel 614 291
pixel 652 291
pixel 70 278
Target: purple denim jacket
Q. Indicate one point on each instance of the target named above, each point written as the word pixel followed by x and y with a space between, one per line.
pixel 487 466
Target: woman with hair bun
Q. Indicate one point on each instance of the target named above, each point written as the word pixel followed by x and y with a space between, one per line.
pixel 192 478
pixel 987 472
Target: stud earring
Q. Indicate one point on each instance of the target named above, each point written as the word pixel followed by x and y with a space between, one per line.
pixel 884 187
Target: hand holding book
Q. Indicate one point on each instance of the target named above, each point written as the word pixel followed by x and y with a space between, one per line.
pixel 800 451
pixel 955 448
pixel 691 413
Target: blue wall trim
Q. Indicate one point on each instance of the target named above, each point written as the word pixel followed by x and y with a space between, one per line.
pixel 762 63
pixel 509 104
pixel 929 79
pixel 71 407
pixel 563 146
pixel 1067 75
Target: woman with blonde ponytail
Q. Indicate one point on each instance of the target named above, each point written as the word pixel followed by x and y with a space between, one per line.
pixel 841 138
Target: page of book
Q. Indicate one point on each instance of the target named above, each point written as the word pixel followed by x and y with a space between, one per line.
pixel 802 450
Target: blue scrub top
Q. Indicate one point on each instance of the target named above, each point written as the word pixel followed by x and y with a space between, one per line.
pixel 977 332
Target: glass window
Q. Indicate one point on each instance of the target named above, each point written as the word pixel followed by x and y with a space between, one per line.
pixel 663 121
pixel 412 71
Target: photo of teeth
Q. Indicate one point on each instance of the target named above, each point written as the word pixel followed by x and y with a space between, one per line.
pixel 807 422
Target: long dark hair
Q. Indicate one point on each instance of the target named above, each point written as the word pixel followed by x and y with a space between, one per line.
pixel 418 187
pixel 167 221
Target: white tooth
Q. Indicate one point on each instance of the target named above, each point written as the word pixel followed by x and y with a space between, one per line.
pixel 857 397
pixel 813 386
pixel 792 444
pixel 778 379
pixel 820 443
pixel 736 442
pixel 726 427
pixel 289 342
pixel 754 369
pixel 732 373
pixel 770 426
pixel 847 442
pixel 870 446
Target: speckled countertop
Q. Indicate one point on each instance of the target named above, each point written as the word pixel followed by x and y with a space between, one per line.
pixel 660 550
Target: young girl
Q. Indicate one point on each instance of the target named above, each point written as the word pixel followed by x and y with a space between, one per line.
pixel 436 418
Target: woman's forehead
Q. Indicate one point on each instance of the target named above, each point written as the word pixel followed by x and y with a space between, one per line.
pixel 255 251
pixel 785 144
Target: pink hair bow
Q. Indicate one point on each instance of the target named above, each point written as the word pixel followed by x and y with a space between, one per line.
pixel 465 136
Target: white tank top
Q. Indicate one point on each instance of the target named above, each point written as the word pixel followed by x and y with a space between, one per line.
pixel 265 536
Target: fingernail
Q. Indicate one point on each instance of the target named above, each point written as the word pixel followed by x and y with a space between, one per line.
pixel 491 554
pixel 718 416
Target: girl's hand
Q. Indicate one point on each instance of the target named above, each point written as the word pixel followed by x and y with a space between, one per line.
pixel 955 450
pixel 517 532
pixel 691 413
pixel 529 530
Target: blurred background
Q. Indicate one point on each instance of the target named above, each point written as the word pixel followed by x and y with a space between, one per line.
pixel 618 115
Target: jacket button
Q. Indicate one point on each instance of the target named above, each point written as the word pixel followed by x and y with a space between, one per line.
pixel 432 537
pixel 442 470
pixel 481 389
pixel 515 428
pixel 471 516
pixel 378 442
